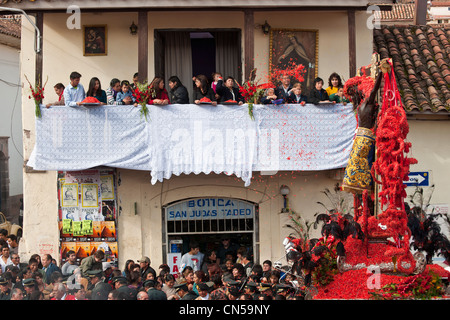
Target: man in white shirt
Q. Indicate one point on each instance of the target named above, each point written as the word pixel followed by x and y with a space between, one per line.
pixel 193 258
pixel 5 259
pixel 74 93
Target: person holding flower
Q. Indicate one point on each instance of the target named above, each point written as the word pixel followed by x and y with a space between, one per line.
pixel 59 90
pixel 74 93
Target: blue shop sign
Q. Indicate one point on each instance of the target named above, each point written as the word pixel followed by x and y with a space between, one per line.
pixel 210 208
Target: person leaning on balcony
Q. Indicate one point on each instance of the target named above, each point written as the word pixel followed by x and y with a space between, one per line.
pixel 269 96
pixel 74 93
pixel 318 94
pixel 203 90
pixel 227 91
pixel 161 97
pixel 178 93
pixel 112 91
pixel 59 90
pixel 95 90
pixel 283 91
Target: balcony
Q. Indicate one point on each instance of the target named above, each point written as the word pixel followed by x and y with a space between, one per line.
pixel 177 139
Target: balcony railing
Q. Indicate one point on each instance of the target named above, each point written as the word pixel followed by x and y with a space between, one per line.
pixel 188 139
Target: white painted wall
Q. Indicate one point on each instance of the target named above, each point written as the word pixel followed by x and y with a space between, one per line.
pixel 11 119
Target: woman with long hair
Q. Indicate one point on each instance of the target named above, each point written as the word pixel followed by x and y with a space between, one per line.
pixel 95 90
pixel 159 93
pixel 203 90
pixel 178 93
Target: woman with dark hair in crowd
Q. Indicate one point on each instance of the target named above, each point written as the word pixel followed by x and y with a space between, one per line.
pixel 334 82
pixel 161 97
pixel 178 93
pixel 203 90
pixel 95 90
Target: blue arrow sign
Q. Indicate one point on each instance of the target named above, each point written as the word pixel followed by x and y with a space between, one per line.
pixel 418 179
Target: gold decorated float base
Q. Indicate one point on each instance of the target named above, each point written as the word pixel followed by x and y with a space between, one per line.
pixel 357 175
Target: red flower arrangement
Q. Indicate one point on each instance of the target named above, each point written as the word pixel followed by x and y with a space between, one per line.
pixel 37 94
pixel 252 92
pixel 143 93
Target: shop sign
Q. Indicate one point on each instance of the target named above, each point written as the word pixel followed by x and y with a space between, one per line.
pixel 210 208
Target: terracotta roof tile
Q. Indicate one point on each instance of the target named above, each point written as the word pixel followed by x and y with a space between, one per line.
pixel 10 25
pixel 421 60
pixel 400 12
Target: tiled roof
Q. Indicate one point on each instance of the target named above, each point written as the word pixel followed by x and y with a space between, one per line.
pixel 10 25
pixel 421 59
pixel 400 12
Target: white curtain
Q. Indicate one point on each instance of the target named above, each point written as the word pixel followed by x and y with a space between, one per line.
pixel 178 58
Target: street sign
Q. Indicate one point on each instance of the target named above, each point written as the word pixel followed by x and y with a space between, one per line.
pixel 418 179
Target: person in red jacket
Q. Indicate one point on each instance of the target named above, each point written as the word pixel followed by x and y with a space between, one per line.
pixel 161 96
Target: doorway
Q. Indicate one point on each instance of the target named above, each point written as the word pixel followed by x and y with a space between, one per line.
pixel 189 52
pixel 207 221
pixel 203 47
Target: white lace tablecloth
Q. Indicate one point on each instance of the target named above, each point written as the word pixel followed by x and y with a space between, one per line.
pixel 179 139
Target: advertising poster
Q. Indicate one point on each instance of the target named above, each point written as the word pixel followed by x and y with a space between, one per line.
pixel 107 187
pixel 83 249
pixel 69 193
pixel 108 229
pixel 77 229
pixel 89 195
pixel 87 213
pixel 67 228
pixel 71 214
pixel 174 260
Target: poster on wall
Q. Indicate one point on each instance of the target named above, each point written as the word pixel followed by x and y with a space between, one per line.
pixel 89 195
pixel 87 212
pixel 107 187
pixel 69 192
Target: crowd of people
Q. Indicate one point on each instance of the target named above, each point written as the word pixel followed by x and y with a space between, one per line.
pixel 223 274
pixel 219 90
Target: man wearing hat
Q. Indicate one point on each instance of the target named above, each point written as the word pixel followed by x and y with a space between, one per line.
pixel 265 289
pixel 233 293
pixel 203 291
pixel 144 264
pixel 101 289
pixel 29 286
pixel 121 285
pixel 5 291
pixel 153 293
pixel 251 288
pixel 181 289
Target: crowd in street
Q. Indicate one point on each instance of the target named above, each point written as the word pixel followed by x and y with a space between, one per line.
pixel 237 278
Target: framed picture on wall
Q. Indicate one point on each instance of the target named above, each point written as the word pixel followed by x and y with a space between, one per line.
pixel 95 40
pixel 295 46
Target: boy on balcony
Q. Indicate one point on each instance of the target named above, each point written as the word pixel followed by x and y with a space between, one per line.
pixel 74 93
pixel 125 96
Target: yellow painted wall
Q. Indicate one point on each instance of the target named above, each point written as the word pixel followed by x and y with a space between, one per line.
pixel 141 234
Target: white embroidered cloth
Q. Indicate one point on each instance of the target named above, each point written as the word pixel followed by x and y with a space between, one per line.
pixel 179 139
